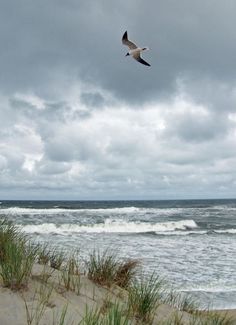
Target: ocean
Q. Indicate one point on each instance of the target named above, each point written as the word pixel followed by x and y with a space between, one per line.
pixel 192 243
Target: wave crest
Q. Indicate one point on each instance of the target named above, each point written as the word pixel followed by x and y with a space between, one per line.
pixel 58 210
pixel 111 226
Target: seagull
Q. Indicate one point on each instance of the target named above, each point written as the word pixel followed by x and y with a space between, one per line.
pixel 134 50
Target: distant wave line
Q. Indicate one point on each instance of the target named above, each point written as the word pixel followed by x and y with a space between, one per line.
pixel 115 210
pixel 56 210
pixel 106 211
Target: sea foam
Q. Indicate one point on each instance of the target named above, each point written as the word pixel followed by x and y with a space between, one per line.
pixel 111 226
pixel 58 210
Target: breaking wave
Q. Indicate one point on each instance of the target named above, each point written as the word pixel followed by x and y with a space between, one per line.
pixel 58 210
pixel 111 226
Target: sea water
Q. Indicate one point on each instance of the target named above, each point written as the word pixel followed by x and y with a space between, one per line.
pixel 192 244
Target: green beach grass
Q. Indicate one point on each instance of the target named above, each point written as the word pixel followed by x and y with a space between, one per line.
pixel 106 269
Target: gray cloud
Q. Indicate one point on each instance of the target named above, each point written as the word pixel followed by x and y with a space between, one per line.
pixel 53 43
pixel 92 99
pixel 81 120
pixel 192 127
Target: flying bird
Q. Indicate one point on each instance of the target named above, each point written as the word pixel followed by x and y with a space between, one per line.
pixel 134 50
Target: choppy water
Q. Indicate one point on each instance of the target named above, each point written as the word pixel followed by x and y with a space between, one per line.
pixel 191 243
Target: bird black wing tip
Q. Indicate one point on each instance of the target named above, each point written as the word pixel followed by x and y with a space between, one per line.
pixel 125 36
pixel 139 59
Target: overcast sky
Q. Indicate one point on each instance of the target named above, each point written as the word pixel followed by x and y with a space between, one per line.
pixel 79 120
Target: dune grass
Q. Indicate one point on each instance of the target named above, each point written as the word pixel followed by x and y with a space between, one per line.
pixel 114 316
pixel 17 256
pixel 126 272
pixel 101 268
pixel 213 318
pixel 56 259
pixel 144 297
pixel 70 274
pixel 91 317
pixel 44 252
pixel 62 317
pixel 36 310
pixel 51 256
pixel 181 301
pixel 106 269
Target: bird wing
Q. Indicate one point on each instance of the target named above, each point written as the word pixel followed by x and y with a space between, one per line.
pixel 137 57
pixel 125 41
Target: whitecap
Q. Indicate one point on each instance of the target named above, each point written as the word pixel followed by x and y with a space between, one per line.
pixel 226 231
pixel 111 226
pixel 57 210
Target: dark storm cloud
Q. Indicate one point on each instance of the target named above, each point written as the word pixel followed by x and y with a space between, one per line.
pixel 77 116
pixel 52 43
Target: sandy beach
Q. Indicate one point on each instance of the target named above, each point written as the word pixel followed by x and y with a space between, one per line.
pixel 45 300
